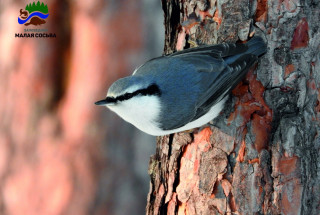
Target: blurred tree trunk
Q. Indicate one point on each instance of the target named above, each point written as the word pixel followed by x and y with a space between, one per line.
pixel 263 155
pixel 53 156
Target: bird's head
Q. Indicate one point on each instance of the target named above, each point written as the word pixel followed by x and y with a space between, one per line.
pixel 129 88
pixel 136 100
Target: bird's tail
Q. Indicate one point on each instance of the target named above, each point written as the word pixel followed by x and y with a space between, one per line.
pixel 256 46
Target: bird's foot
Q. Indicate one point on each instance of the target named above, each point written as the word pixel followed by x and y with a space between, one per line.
pixel 210 123
pixel 189 131
pixel 193 43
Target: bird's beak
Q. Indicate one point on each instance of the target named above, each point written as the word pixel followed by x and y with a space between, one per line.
pixel 101 102
pixel 107 101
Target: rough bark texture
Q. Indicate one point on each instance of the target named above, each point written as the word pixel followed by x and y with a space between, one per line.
pixel 263 155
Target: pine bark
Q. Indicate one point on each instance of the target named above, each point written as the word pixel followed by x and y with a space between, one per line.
pixel 262 155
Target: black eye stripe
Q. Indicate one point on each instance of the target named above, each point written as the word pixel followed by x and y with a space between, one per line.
pixel 151 90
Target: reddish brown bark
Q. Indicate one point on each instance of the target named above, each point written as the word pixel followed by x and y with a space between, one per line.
pixel 263 155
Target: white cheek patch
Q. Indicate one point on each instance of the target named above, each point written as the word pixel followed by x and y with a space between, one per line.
pixel 141 111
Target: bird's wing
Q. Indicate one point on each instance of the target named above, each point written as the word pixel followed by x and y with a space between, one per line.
pixel 219 87
pixel 209 73
pixel 217 79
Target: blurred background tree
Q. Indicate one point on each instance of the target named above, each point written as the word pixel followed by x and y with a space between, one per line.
pixel 60 154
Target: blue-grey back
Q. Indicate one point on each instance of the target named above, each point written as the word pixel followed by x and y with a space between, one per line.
pixel 193 80
pixel 181 83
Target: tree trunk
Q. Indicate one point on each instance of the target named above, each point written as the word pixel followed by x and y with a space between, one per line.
pixel 262 156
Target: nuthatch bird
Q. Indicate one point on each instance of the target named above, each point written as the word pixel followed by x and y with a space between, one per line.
pixel 183 90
